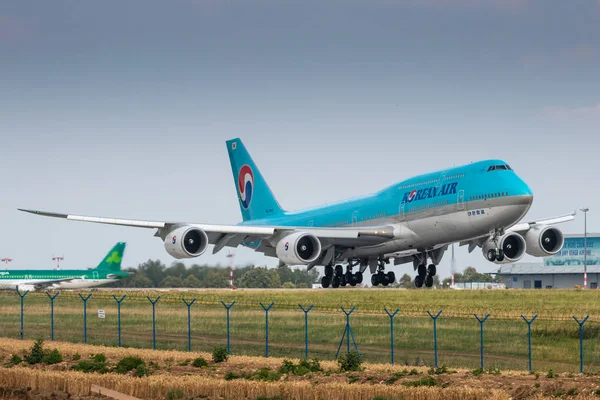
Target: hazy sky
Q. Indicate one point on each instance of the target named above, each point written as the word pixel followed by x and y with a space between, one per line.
pixel 121 108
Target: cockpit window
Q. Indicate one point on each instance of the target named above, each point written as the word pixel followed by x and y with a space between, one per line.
pixel 497 167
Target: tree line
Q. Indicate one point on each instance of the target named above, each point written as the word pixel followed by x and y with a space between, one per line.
pixel 155 274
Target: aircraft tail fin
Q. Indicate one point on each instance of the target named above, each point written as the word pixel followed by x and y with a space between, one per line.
pixel 112 261
pixel 255 196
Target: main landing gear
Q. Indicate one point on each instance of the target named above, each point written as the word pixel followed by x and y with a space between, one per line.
pixel 425 274
pixel 336 277
pixel 380 277
pixel 496 254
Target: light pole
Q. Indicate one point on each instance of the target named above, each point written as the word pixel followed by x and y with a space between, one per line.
pixel 58 260
pixel 6 260
pixel 585 210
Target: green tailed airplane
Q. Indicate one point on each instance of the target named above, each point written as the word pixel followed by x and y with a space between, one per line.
pixel 108 270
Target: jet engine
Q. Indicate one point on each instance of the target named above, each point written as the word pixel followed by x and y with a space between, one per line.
pixel 543 241
pixel 298 249
pixel 512 246
pixel 186 242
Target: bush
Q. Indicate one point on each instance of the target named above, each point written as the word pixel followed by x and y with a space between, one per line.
pixel 302 368
pixel 16 360
pixel 350 362
pixel 128 364
pixel 76 357
pixel 427 381
pixel 37 353
pixel 200 362
pixel 101 358
pixel 54 357
pixel 89 366
pixel 220 354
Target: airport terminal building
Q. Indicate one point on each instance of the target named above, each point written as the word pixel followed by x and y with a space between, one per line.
pixel 564 270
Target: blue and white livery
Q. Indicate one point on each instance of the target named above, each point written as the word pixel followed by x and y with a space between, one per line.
pixel 414 221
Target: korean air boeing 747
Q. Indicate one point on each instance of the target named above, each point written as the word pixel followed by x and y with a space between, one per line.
pixel 108 270
pixel 477 205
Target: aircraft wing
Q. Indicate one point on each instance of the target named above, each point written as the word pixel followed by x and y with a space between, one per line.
pixel 234 235
pixel 525 226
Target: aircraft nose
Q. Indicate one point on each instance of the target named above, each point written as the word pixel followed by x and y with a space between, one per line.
pixel 525 191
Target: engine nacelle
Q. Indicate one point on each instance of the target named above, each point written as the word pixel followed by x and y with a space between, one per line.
pixel 298 249
pixel 186 242
pixel 544 241
pixel 512 245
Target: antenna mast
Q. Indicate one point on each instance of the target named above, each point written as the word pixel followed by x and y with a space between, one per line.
pixel 230 256
pixel 6 260
pixel 58 260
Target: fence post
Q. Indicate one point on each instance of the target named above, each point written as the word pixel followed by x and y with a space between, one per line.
pixel 189 306
pixel 481 321
pixel 228 307
pixel 22 296
pixel 306 329
pixel 52 312
pixel 529 322
pixel 267 327
pixel 119 316
pixel 435 349
pixel 85 299
pixel 580 323
pixel 392 330
pixel 347 333
pixel 153 302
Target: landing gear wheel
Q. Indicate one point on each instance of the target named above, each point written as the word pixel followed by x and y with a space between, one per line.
pixel 384 280
pixel 359 277
pixel 374 280
pixel 429 281
pixel 348 275
pixel 336 282
pixel 422 270
pixel 391 277
pixel 419 281
pixel 500 256
pixel 491 255
pixel 329 271
pixel 353 281
pixel 325 282
pixel 431 270
pixel 343 281
pixel 339 271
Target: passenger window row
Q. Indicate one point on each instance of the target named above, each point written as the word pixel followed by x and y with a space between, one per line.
pixel 488 196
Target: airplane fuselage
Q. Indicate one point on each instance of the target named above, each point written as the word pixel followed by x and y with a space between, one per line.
pixel 442 207
pixel 28 279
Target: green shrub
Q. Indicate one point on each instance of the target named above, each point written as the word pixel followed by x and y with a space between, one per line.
pixel 76 357
pixel 175 394
pixel 300 369
pixel 99 358
pixel 426 381
pixel 36 354
pixel 220 354
pixel 550 374
pixel 200 362
pixel 89 366
pixel 231 376
pixel 53 357
pixel 16 360
pixel 141 370
pixel 350 362
pixel 265 374
pixel 128 364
